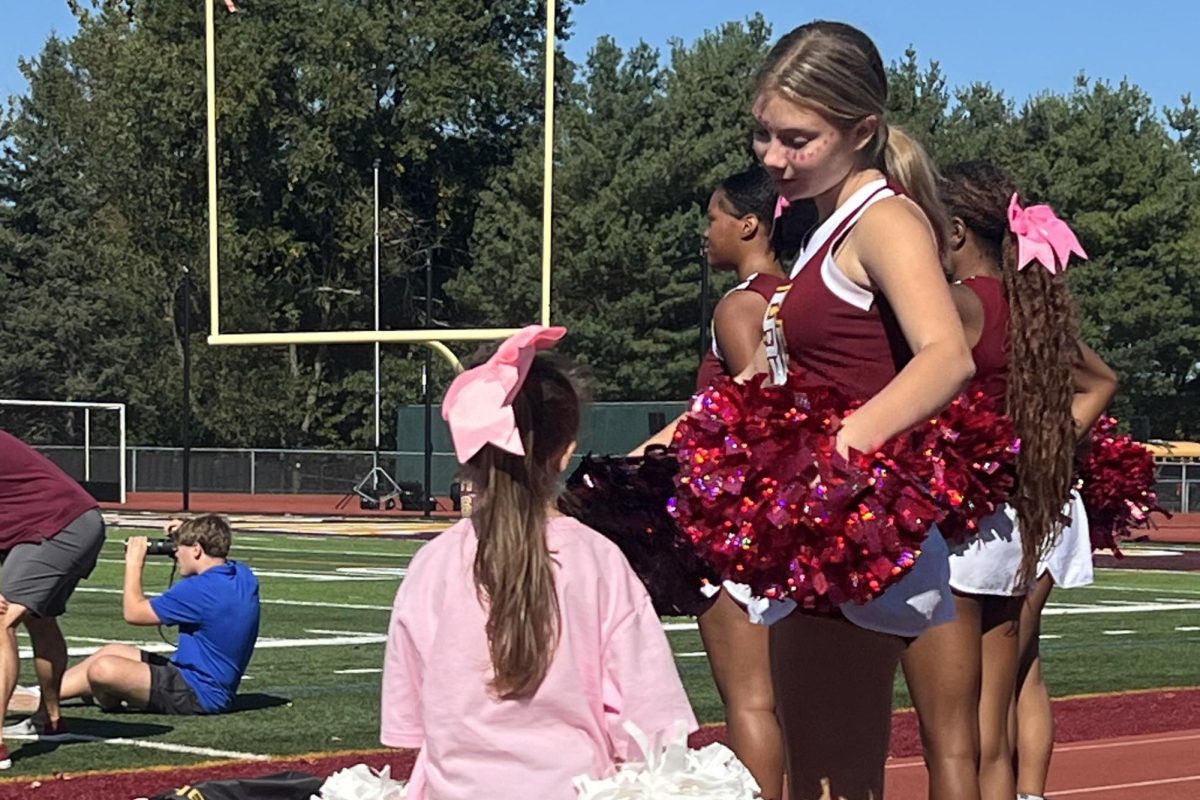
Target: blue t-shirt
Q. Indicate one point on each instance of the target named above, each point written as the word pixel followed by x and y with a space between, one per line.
pixel 217 614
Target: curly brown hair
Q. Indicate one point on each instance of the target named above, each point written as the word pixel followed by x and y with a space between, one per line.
pixel 1042 349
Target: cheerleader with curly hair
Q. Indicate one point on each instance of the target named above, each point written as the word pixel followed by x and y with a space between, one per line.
pixel 1007 262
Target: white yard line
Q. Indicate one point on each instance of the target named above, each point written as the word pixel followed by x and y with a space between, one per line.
pixel 319 604
pixel 150 744
pixel 304 603
pixel 1136 608
pixel 680 626
pixel 335 575
pixel 264 643
pixel 1140 608
pixel 293 551
pixel 1144 590
pixel 1142 571
pixel 150 647
pixel 332 641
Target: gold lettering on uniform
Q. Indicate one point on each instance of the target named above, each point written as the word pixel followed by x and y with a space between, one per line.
pixel 773 336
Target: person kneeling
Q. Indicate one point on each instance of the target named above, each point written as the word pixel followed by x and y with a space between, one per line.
pixel 216 607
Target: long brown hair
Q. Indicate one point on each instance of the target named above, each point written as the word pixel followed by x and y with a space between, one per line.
pixel 1042 348
pixel 836 69
pixel 514 570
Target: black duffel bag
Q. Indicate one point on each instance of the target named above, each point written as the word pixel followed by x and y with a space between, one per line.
pixel 282 786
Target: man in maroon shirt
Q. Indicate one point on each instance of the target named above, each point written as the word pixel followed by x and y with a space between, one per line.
pixel 51 533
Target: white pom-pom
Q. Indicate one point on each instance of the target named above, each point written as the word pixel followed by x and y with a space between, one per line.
pixel 673 771
pixel 360 782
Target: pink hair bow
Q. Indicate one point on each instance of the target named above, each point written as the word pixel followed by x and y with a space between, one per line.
pixel 1042 237
pixel 781 205
pixel 478 405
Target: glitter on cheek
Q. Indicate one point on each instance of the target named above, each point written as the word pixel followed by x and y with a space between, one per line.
pixel 811 152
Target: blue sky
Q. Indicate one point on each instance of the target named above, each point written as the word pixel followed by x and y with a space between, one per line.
pixel 1020 46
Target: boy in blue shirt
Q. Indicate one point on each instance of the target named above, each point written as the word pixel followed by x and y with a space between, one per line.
pixel 216 607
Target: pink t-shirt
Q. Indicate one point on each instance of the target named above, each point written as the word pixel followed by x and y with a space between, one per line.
pixel 612 664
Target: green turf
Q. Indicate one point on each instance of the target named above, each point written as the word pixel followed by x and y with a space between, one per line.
pixel 300 704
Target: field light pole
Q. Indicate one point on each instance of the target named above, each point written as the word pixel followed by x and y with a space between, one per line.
pixel 427 389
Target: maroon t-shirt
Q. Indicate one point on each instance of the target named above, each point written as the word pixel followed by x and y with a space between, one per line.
pixel 37 499
pixel 990 353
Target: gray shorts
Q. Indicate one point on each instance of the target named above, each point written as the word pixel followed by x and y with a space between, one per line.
pixel 42 575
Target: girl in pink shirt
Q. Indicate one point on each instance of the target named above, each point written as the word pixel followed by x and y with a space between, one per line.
pixel 521 641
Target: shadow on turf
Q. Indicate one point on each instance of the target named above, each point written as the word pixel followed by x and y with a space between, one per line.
pixel 89 728
pixel 257 701
pixel 111 726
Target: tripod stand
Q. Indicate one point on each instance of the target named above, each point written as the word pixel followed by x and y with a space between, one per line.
pixel 383 490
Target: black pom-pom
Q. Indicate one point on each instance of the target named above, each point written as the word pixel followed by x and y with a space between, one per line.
pixel 625 499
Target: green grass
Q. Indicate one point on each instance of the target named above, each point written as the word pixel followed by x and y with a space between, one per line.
pixel 302 704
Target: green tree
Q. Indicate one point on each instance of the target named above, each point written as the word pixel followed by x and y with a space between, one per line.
pixel 311 95
pixel 640 147
pixel 1108 164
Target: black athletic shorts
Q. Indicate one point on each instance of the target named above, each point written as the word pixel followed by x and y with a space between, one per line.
pixel 169 692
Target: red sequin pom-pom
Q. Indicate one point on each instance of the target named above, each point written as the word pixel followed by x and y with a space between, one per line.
pixel 1116 481
pixel 768 502
pixel 968 457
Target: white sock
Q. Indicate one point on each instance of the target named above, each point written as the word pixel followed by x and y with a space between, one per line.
pixel 1030 797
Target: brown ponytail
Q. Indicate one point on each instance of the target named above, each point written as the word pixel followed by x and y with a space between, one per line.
pixel 906 163
pixel 514 569
pixel 1042 347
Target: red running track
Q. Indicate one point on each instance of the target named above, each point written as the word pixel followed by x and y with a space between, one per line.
pixel 1182 528
pixel 1150 751
pixel 1155 767
pixel 323 505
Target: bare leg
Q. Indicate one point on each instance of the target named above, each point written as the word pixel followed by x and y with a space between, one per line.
pixel 10 656
pixel 833 687
pixel 942 667
pixel 75 681
pixel 49 661
pixel 997 781
pixel 739 654
pixel 1033 714
pixel 115 680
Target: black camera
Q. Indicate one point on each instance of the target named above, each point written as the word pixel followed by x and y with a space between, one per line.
pixel 161 547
